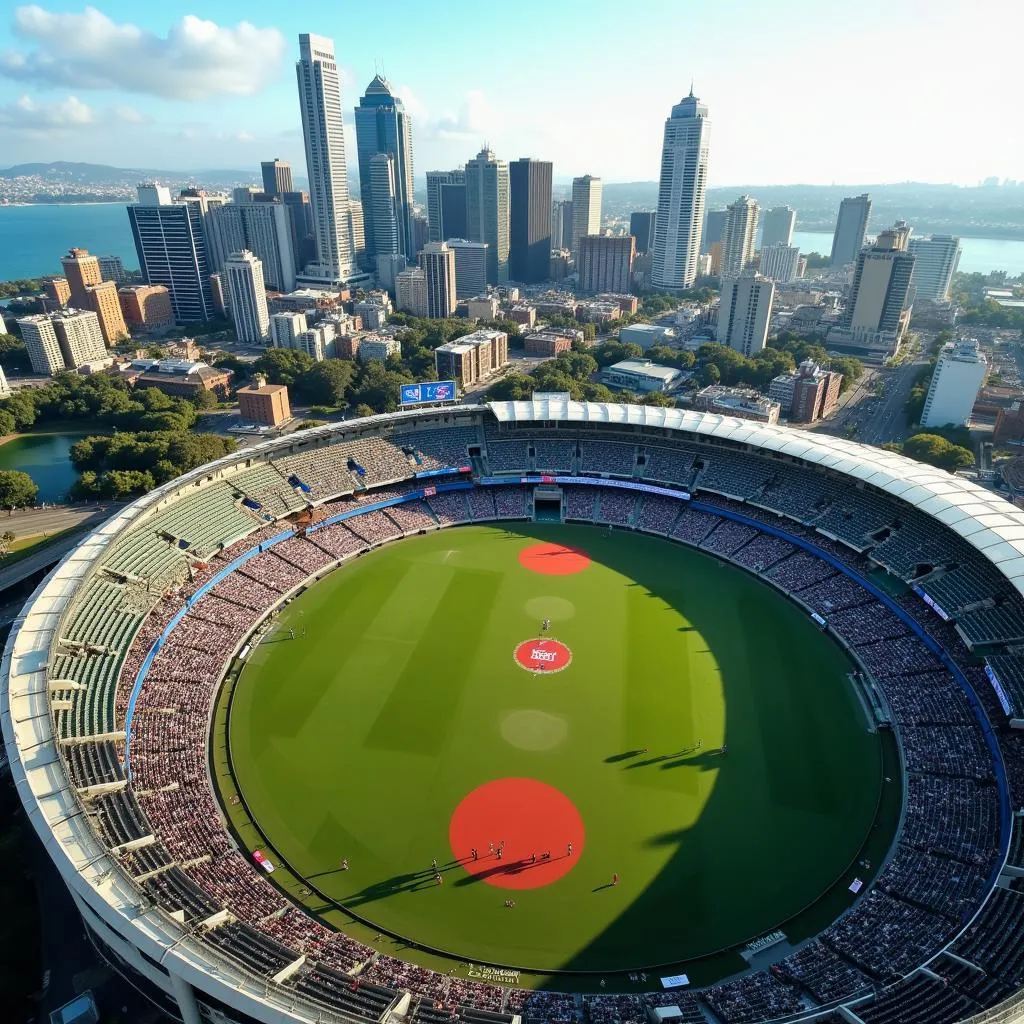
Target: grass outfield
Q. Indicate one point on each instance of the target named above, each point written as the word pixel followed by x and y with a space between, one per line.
pixel 362 738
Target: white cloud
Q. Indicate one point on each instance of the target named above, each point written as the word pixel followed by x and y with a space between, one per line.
pixel 195 60
pixel 413 104
pixel 28 115
pixel 475 119
pixel 129 115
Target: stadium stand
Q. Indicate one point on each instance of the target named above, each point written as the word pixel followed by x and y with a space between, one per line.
pixel 166 831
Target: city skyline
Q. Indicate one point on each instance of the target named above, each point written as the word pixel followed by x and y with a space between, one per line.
pixel 193 93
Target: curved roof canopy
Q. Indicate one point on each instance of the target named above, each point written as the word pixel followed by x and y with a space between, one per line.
pixel 984 519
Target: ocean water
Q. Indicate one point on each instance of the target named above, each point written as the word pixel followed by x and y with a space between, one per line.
pixel 979 255
pixel 33 239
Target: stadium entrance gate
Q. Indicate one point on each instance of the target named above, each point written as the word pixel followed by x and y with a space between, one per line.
pixel 547 503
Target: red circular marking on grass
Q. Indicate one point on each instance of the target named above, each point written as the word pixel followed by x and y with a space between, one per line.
pixel 531 818
pixel 541 654
pixel 553 559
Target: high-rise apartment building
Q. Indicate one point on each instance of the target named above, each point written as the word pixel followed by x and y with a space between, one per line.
pixel 641 227
pixel 277 177
pixel 470 267
pixel 436 180
pixel 936 260
pixel 80 271
pixel 263 228
pixel 681 190
pixel 452 211
pixel 438 262
pixel 487 206
pixel 605 263
pixel 851 229
pixel 170 241
pixel 738 243
pixel 586 208
pixel 357 230
pixel 411 291
pixel 529 255
pixel 383 127
pixel 779 262
pixel 247 297
pixel 102 300
pixel 58 293
pixel 301 222
pixel 41 343
pixel 285 329
pixel 561 223
pixel 777 226
pixel 324 137
pixel 63 340
pixel 959 373
pixel 112 269
pixel 878 306
pixel 744 312
pixel 714 229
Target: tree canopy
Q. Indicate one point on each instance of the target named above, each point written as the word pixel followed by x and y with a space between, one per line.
pixel 17 489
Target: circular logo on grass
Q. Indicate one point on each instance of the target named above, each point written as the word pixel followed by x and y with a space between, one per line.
pixel 542 654
pixel 525 834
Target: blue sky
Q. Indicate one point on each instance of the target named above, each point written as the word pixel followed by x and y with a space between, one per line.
pixel 873 91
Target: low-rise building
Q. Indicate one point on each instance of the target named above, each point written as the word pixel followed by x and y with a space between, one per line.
pixel 646 335
pixel 523 315
pixel 378 346
pixel 550 341
pixel 629 304
pixel 597 312
pixel 181 378
pixel 374 310
pixel 642 375
pixel 264 403
pixel 560 306
pixel 304 299
pixel 411 291
pixel 471 358
pixel 483 307
pixel 738 402
pixel 808 395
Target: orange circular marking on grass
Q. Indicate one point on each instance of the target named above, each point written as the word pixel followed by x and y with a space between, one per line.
pixel 553 559
pixel 530 818
pixel 542 654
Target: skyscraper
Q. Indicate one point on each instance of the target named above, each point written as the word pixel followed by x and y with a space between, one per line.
pixel 41 342
pixel 684 173
pixel 487 202
pixel 561 224
pixel 171 245
pixel 356 230
pixel 470 267
pixel 877 308
pixel 851 227
pixel 936 261
pixel 435 182
pixel 324 137
pixel 779 261
pixel 81 270
pixel 745 311
pixel 102 300
pixel 529 220
pixel 112 269
pixel 641 227
pixel 438 262
pixel 383 126
pixel 381 230
pixel 265 229
pixel 62 340
pixel 714 229
pixel 586 209
pixel 453 211
pixel 247 297
pixel 605 262
pixel 740 232
pixel 777 226
pixel 956 380
pixel 277 176
pixel 411 291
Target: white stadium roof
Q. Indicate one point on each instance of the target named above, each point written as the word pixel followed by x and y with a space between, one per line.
pixel 983 518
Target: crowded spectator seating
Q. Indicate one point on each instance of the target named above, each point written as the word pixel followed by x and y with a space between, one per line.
pixel 557 456
pixel 607 457
pixel 615 507
pixel 440 448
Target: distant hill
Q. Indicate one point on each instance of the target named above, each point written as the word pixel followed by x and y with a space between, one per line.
pixel 84 175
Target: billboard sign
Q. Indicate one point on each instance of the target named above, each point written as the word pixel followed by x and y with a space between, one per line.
pixel 428 391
